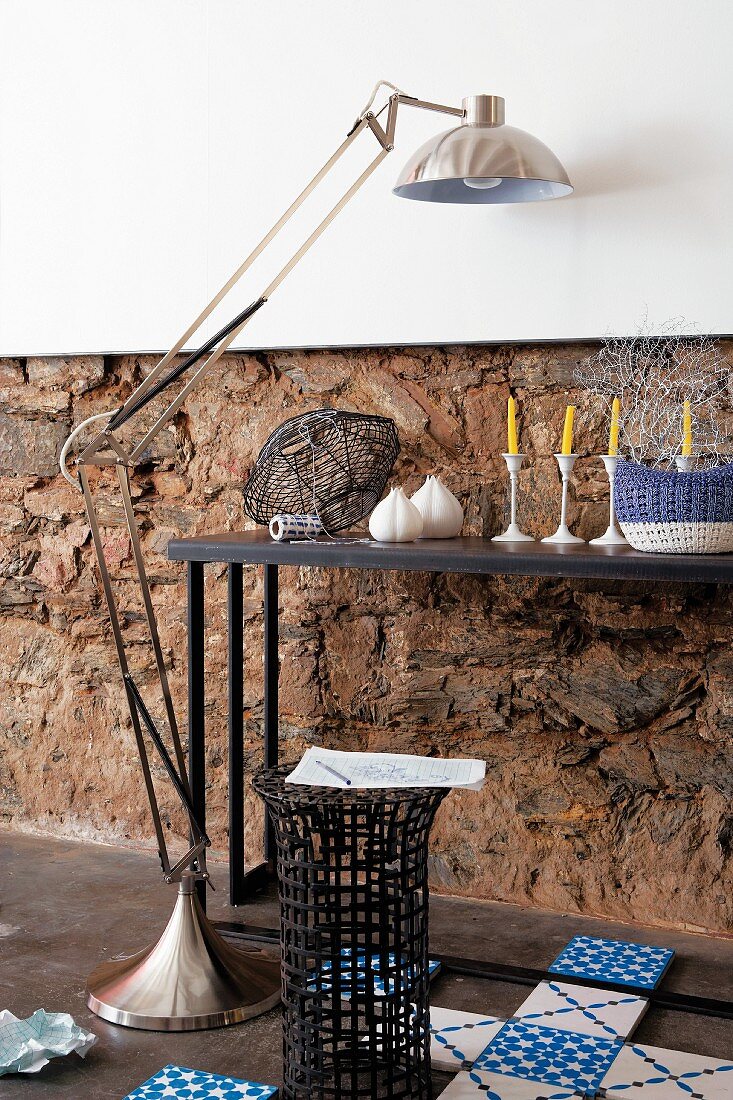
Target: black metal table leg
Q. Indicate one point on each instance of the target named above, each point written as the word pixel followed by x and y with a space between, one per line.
pixel 272 672
pixel 196 700
pixel 243 884
pixel 236 734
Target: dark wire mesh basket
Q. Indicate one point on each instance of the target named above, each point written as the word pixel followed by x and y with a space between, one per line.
pixel 327 463
pixel 353 885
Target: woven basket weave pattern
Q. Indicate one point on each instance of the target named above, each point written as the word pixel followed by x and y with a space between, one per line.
pixel 329 463
pixel 670 512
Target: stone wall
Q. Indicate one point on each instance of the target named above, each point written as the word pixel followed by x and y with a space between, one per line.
pixel 604 710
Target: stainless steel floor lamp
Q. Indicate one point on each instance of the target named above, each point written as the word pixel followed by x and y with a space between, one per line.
pixel 191 978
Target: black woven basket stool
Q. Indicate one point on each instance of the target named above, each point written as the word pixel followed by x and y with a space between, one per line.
pixel 352 872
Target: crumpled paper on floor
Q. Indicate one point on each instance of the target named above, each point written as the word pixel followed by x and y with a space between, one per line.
pixel 28 1045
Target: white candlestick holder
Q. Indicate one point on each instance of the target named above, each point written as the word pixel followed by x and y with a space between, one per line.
pixel 513 532
pixel 562 536
pixel 613 536
pixel 683 463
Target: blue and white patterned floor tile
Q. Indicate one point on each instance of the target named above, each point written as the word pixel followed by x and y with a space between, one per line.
pixel 381 987
pixel 457 1038
pixel 634 964
pixel 478 1085
pixel 581 1008
pixel 179 1083
pixel 564 1059
pixel 649 1073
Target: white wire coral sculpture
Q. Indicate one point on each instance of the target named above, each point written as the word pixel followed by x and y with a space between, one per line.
pixel 653 373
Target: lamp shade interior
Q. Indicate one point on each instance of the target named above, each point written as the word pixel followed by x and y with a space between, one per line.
pixel 457 191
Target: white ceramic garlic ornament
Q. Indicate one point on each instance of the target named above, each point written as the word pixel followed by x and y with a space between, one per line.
pixel 395 519
pixel 442 515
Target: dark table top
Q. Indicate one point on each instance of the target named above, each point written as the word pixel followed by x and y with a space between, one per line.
pixel 470 554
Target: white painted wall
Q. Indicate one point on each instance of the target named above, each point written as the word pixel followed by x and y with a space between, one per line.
pixel 146 145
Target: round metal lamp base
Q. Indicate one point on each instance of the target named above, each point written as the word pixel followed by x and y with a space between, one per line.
pixel 190 979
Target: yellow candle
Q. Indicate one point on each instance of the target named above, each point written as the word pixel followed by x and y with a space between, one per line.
pixel 686 430
pixel 512 444
pixel 567 435
pixel 613 434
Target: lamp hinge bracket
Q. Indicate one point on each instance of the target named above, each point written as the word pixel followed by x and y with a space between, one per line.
pixel 380 134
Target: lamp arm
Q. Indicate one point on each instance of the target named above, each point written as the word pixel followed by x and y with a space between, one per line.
pixel 403 97
pixel 156 381
pixel 107 449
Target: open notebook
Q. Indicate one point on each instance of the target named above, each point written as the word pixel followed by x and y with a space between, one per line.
pixel 331 768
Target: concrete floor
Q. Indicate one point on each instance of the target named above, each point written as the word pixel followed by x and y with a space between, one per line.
pixel 65 906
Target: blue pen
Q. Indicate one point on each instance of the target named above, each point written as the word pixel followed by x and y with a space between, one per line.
pixel 333 771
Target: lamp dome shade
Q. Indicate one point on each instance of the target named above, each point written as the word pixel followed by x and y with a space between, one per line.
pixel 483 161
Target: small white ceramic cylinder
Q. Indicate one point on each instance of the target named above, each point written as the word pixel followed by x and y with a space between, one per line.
pixel 285 527
pixel 562 536
pixel 612 536
pixel 513 532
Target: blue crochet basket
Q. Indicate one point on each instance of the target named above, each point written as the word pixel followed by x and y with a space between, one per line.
pixel 668 512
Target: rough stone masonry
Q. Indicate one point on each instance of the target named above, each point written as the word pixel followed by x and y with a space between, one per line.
pixel 604 710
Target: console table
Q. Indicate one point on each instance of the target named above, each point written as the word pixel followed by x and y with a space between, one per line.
pixel 473 555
